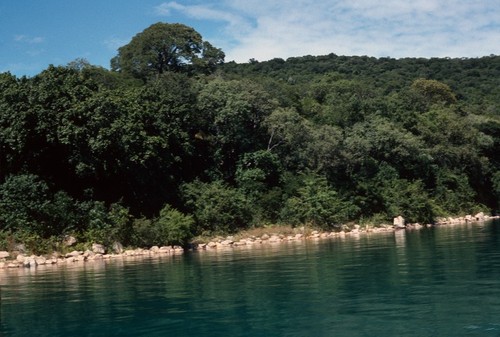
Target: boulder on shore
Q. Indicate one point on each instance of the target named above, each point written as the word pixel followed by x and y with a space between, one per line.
pixel 73 254
pixel 117 247
pixel 97 248
pixel 4 254
pixel 399 222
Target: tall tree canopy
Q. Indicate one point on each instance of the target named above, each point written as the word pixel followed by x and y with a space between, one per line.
pixel 160 149
pixel 166 47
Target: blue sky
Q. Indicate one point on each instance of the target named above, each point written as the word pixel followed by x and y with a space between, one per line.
pixel 36 33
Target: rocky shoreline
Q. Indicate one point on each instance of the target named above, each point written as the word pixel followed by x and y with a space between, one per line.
pixel 15 260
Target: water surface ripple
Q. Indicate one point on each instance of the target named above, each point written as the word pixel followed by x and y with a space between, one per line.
pixel 443 281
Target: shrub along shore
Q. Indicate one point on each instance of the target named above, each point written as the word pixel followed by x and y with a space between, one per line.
pixel 251 239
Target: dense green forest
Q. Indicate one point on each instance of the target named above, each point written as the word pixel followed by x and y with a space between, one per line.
pixel 172 143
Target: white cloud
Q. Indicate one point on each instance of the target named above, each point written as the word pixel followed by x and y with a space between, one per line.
pixel 29 39
pixel 201 12
pixel 396 28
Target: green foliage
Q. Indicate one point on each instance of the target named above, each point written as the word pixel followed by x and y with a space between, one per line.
pixel 259 176
pixel 174 227
pixel 84 150
pixel 496 188
pixel 216 207
pixel 341 102
pixel 453 193
pixel 105 225
pixel 430 92
pixel 258 171
pixel 318 204
pixel 302 144
pixel 144 233
pixel 27 206
pixel 171 228
pixel 233 113
pixel 408 199
pixel 24 202
pixel 166 47
pixel 383 140
pixel 32 243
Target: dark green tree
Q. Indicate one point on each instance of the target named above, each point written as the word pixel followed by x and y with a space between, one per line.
pixel 301 143
pixel 166 47
pixel 233 113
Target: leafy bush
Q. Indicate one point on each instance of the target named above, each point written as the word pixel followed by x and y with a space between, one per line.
pixel 174 227
pixel 317 204
pixel 104 225
pixel 144 234
pixel 24 201
pixel 32 243
pixel 170 228
pixel 453 193
pixel 217 207
pixel 257 171
pixel 408 199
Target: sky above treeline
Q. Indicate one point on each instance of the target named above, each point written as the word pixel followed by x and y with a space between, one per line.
pixel 36 33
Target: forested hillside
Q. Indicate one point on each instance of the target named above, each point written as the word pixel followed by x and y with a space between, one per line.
pixel 173 142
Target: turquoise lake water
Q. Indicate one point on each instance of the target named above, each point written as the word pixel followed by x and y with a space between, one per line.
pixel 443 281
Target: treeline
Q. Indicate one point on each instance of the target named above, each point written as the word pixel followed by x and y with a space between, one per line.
pixel 158 155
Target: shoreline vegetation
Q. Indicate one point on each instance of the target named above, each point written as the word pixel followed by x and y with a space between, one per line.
pixel 165 150
pixel 253 238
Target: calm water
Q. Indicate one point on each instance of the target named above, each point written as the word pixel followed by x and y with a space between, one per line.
pixel 439 282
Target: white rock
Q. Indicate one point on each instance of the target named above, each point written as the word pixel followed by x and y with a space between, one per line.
pixel 30 262
pixel 98 248
pixel 73 254
pixel 165 249
pixel 40 260
pixel 129 252
pixel 399 222
pixel 274 238
pixel 4 254
pixel 117 247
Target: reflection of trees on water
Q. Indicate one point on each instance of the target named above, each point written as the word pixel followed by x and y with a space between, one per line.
pixel 322 286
